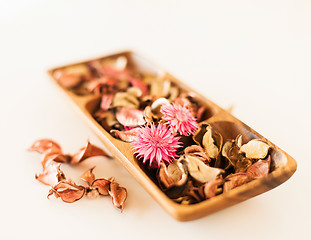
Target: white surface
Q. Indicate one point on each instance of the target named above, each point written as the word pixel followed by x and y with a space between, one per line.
pixel 255 55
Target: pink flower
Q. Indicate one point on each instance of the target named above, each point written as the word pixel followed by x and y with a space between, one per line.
pixel 179 118
pixel 156 143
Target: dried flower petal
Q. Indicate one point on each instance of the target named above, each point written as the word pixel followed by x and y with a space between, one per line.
pixel 208 143
pixel 102 185
pixel 89 150
pixel 68 191
pixel 255 149
pixel 43 145
pixel 130 117
pixel 179 119
pixel 127 136
pixel 88 176
pixel 92 193
pixel 198 151
pixel 199 170
pixel 118 195
pixel 51 174
pixel 259 169
pixel 156 144
pixel 106 101
pixel 139 84
pixel 172 175
pixel 235 180
pixel 210 188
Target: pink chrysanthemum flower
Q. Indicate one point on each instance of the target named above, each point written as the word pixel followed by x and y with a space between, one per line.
pixel 156 144
pixel 179 118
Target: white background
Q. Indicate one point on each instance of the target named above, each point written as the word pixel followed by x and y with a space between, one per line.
pixel 255 55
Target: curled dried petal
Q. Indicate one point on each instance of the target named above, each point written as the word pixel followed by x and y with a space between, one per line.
pixel 255 149
pixel 106 101
pixel 89 150
pixel 130 117
pixel 139 84
pixel 93 193
pixel 51 175
pixel 127 136
pixel 209 144
pixel 197 151
pixel 172 175
pixel 235 180
pixel 199 170
pixel 118 195
pixel 259 169
pixel 210 188
pixel 68 80
pixel 68 191
pixel 102 185
pixel 43 145
pixel 88 176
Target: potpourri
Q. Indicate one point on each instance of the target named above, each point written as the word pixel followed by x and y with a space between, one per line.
pixel 166 129
pixel 65 188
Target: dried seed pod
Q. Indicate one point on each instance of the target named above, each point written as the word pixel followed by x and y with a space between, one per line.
pixel 243 164
pixel 255 149
pixel 126 136
pixel 200 171
pixel 130 117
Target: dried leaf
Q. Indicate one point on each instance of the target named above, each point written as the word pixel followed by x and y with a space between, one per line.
pixel 43 145
pixel 127 136
pixel 130 117
pixel 68 191
pixel 200 171
pixel 92 193
pixel 243 164
pixel 89 150
pixel 125 99
pixel 118 195
pixel 255 149
pixel 102 185
pixel 160 87
pixel 88 176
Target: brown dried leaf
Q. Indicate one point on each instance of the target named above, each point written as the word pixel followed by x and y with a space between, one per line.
pixel 51 174
pixel 259 169
pixel 89 150
pixel 127 136
pixel 88 176
pixel 102 185
pixel 130 117
pixel 43 145
pixel 68 191
pixel 118 195
pixel 255 149
pixel 243 164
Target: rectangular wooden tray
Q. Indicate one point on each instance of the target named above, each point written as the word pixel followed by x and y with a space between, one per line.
pixel 282 165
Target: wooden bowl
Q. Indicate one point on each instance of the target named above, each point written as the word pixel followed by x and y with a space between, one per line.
pixel 282 165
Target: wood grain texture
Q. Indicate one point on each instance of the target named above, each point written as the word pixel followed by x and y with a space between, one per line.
pixel 282 166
